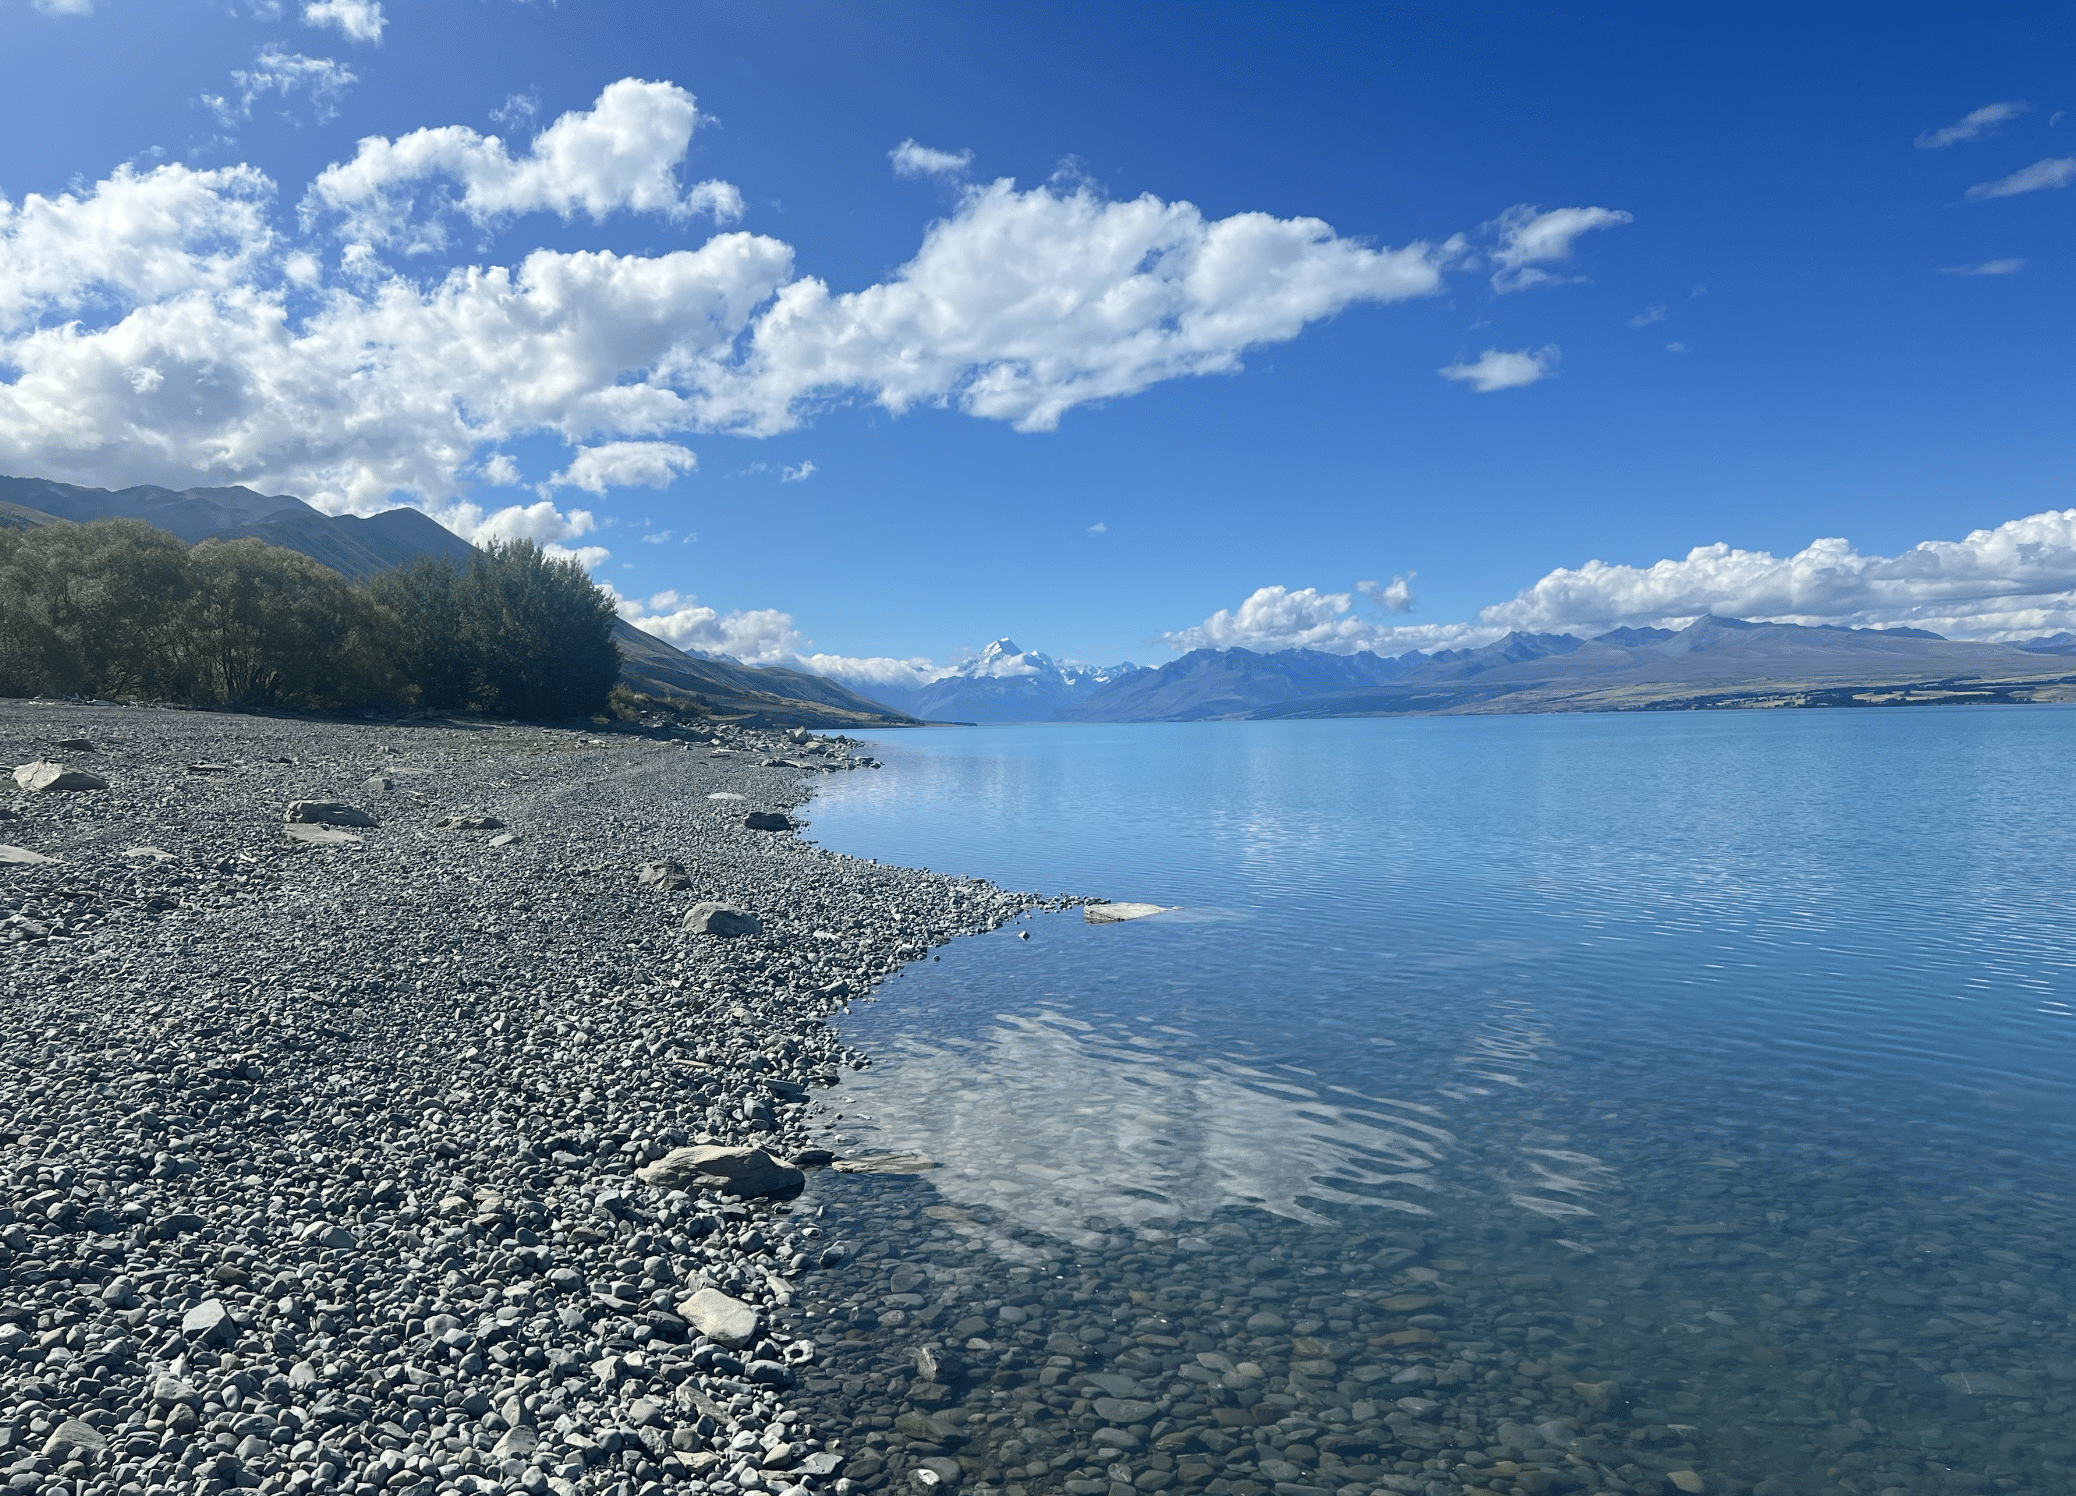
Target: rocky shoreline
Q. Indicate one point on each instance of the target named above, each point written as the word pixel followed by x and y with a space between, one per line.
pixel 417 1144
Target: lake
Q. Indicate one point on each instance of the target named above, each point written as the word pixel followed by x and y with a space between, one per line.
pixel 1600 1103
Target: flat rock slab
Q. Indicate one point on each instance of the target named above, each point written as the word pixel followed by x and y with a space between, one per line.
pixel 767 820
pixel 327 813
pixel 156 854
pixel 743 1172
pixel 468 823
pixel 319 836
pixel 504 840
pixel 719 1318
pixel 722 919
pixel 22 856
pixel 1110 914
pixel 42 778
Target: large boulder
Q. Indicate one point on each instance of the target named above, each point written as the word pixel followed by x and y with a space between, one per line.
pixel 22 856
pixel 326 813
pixel 721 1319
pixel 468 823
pixel 722 919
pixel 743 1172
pixel 41 777
pixel 768 820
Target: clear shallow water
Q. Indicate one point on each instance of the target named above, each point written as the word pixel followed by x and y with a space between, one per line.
pixel 1729 1055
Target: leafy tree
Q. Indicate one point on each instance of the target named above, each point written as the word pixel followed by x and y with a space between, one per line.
pixel 539 633
pixel 423 600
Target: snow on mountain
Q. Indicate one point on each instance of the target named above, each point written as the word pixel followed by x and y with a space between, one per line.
pixel 1003 683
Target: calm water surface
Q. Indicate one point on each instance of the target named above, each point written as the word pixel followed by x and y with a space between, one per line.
pixel 1702 1082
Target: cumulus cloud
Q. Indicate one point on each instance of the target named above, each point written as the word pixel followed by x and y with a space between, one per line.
pixel 65 7
pixel 1972 126
pixel 621 155
pixel 1023 305
pixel 1655 312
pixel 798 473
pixel 876 670
pixel 658 537
pixel 356 20
pixel 625 465
pixel 1273 618
pixel 1985 267
pixel 1394 596
pixel 1098 528
pixel 912 160
pixel 2014 581
pixel 2055 171
pixel 284 74
pixel 158 327
pixel 1530 238
pixel 756 636
pixel 1496 369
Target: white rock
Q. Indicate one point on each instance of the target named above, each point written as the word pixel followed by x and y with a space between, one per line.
pixel 22 856
pixel 724 1320
pixel 1110 914
pixel 39 777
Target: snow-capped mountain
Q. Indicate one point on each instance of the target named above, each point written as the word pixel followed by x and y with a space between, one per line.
pixel 1003 683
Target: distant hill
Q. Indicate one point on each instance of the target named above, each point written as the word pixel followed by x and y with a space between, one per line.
pixel 1208 683
pixel 1713 662
pixel 361 547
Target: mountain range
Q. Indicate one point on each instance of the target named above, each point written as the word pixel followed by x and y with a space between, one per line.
pixel 1713 662
pixel 361 547
pixel 1003 683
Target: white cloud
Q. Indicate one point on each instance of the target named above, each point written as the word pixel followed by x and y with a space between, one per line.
pixel 2055 171
pixel 1496 369
pixel 283 74
pixel 541 522
pixel 1986 267
pixel 876 670
pixel 912 160
pixel 518 109
pixel 1983 121
pixel 1273 618
pixel 356 20
pixel 1394 596
pixel 625 465
pixel 1528 238
pixel 621 155
pixel 2014 581
pixel 1023 305
pixel 1655 312
pixel 658 537
pixel 65 7
pixel 797 474
pixel 757 636
pixel 308 367
pixel 1099 528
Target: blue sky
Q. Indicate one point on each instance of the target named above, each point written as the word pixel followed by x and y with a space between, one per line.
pixel 1769 338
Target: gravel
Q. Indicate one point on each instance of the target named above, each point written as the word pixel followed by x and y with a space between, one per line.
pixel 319 1146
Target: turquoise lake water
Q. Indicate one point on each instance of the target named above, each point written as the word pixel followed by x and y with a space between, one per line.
pixel 1731 1057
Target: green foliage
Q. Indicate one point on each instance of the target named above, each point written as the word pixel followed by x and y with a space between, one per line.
pixel 117 608
pixel 538 632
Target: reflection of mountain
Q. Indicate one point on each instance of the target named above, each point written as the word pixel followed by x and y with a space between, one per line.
pixel 1714 662
pixel 362 547
pixel 1001 684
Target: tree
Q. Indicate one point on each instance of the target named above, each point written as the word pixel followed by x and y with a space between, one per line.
pixel 423 600
pixel 539 634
